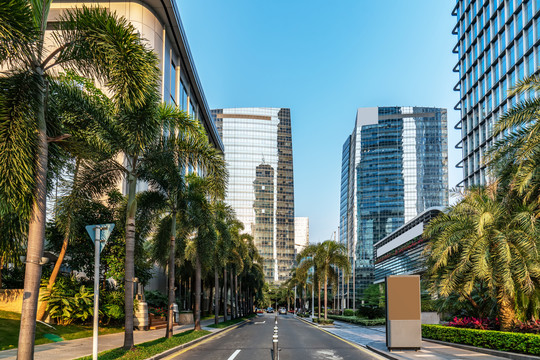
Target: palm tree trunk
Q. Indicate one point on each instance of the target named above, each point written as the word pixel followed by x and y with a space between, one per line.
pixel 170 318
pixel 36 235
pixel 233 310
pixel 130 260
pixel 1 266
pixel 325 296
pixel 216 295
pixel 236 295
pixel 197 309
pixel 319 299
pixel 507 313
pixel 225 293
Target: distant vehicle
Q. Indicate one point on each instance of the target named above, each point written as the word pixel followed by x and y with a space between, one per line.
pixel 282 311
pixel 270 310
pixel 259 311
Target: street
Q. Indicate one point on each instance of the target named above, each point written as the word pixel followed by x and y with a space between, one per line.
pixel 297 340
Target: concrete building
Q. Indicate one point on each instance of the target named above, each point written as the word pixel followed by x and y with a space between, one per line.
pixel 394 167
pixel 158 22
pixel 259 159
pixel 497 45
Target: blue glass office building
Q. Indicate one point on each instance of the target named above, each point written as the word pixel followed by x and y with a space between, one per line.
pixel 394 167
pixel 497 44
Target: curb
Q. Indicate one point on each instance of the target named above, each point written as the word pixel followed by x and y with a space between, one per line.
pixel 381 352
pixel 505 354
pixel 193 342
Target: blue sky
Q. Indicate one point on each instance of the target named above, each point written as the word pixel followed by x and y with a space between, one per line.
pixel 323 60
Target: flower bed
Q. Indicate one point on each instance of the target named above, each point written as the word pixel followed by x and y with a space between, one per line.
pixel 489 339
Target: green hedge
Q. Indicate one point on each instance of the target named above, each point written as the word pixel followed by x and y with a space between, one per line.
pixel 489 339
pixel 358 321
pixel 323 322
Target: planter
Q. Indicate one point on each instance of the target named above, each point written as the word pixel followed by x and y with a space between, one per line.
pixel 142 320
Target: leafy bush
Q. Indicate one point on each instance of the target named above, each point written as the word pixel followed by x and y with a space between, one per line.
pixel 112 305
pixel 429 305
pixel 156 299
pixel 475 323
pixel 371 312
pixel 68 301
pixel 490 339
pixel 348 312
pixel 532 326
pixel 359 321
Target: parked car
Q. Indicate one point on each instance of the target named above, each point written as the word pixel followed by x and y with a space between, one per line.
pixel 259 311
pixel 270 310
pixel 282 311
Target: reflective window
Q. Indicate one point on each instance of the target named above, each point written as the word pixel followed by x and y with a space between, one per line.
pixel 511 56
pixel 520 47
pixel 530 37
pixel 530 64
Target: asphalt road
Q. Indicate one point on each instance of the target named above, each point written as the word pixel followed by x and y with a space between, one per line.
pixel 253 341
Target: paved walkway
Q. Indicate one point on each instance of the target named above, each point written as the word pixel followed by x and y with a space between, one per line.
pixel 72 349
pixel 375 337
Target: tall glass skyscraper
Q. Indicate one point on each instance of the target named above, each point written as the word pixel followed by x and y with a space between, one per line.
pixel 394 166
pixel 258 153
pixel 497 46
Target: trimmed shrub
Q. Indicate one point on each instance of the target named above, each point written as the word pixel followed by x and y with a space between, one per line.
pixel 359 321
pixel 323 322
pixel 489 339
pixel 348 312
pixel 371 312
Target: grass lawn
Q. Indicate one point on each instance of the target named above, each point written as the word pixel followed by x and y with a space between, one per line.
pixel 150 348
pixel 10 323
pixel 222 325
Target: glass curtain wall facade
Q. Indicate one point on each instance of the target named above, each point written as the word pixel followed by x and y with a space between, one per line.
pixel 497 45
pixel 258 153
pixel 394 166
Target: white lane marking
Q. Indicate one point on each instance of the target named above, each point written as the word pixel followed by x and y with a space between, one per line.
pixel 260 322
pixel 234 355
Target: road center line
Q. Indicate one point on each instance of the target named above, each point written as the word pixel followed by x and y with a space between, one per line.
pixel 234 355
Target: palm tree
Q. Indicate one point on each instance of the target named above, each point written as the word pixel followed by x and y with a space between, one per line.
pixel 95 43
pixel 332 255
pixel 490 238
pixel 309 258
pixel 201 243
pixel 82 107
pixel 224 217
pixel 515 157
pixel 164 166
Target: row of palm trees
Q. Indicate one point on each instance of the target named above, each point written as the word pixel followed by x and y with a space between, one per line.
pixel 60 127
pixel 488 242
pixel 319 264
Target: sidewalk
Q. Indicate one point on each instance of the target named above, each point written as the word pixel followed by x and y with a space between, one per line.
pixel 374 338
pixel 72 349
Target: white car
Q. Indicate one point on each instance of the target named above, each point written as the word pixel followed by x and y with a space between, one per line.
pixel 282 311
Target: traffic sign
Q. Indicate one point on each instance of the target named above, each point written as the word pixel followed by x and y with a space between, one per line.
pixel 104 233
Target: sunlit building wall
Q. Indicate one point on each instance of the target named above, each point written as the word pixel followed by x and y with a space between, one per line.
pixel 258 153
